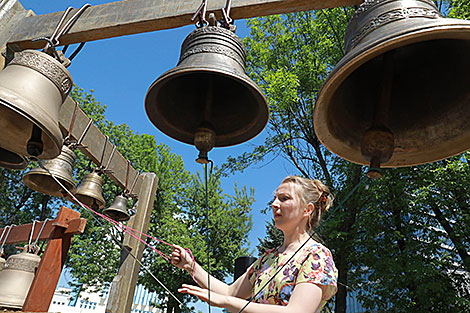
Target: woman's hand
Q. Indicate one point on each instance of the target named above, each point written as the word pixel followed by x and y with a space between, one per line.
pixel 181 259
pixel 216 299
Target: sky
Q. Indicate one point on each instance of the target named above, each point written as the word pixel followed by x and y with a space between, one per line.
pixel 120 70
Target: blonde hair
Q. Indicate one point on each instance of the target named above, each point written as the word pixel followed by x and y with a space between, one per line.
pixel 312 191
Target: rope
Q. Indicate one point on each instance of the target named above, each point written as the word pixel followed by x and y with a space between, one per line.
pixel 115 239
pixel 208 236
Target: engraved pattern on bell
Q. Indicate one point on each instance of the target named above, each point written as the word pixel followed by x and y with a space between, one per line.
pixel 208 40
pixel 23 264
pixel 47 66
pixel 392 16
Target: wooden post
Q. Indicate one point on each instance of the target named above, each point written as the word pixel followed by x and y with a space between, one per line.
pixel 59 232
pixel 121 294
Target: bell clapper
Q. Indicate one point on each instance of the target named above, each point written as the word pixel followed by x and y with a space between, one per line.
pixel 204 140
pixel 378 141
pixel 34 147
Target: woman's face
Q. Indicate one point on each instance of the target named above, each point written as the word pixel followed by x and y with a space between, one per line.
pixel 287 207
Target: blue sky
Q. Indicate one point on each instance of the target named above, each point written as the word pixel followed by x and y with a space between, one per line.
pixel 120 71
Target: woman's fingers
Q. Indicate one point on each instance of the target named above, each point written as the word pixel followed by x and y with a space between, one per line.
pixel 203 294
pixel 195 291
pixel 177 256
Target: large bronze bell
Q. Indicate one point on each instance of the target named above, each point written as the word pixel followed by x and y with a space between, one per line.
pixel 11 160
pixel 90 191
pixel 17 277
pixel 118 209
pixel 401 94
pixel 208 93
pixel 61 167
pixel 32 89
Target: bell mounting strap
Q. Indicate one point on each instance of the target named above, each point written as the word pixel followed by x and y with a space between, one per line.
pixel 61 29
pixel 226 21
pixel 201 15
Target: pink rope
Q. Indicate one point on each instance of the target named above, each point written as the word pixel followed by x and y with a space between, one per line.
pixel 132 232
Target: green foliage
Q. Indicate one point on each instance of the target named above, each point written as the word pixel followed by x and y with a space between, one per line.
pixel 400 243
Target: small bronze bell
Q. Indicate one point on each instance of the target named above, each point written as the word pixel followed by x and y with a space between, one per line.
pixel 11 160
pixel 61 167
pixel 401 94
pixel 17 277
pixel 118 210
pixel 208 92
pixel 32 89
pixel 90 191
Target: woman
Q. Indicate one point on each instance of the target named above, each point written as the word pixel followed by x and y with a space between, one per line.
pixel 303 285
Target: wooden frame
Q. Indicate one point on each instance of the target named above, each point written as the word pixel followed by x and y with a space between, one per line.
pixel 59 233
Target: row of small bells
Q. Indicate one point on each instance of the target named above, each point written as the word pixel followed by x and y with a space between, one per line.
pixel 33 87
pixel 16 276
pixel 378 106
pixel 89 192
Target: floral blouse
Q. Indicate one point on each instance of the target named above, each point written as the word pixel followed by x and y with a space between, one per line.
pixel 313 264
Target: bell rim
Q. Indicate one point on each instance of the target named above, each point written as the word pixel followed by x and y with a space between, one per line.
pixel 189 139
pixel 83 198
pixel 12 165
pixel 358 56
pixel 54 134
pixel 119 219
pixel 29 182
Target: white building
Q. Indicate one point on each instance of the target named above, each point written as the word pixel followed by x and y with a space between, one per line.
pixel 64 302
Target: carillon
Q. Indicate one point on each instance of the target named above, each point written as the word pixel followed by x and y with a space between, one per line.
pixel 207 99
pixel 401 94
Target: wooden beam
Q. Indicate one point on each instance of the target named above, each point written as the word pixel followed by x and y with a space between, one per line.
pixel 21 233
pixel 138 16
pixel 94 142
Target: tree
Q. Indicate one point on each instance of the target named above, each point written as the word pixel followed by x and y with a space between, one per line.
pixel 178 214
pixel 390 243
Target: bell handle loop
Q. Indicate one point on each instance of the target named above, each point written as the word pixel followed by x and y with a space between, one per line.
pixel 201 15
pixel 130 194
pixel 31 234
pixel 67 139
pixel 100 166
pixel 106 169
pixel 78 144
pixel 6 237
pixel 127 174
pixel 68 25
pixel 40 232
pixel 53 41
pixel 226 19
